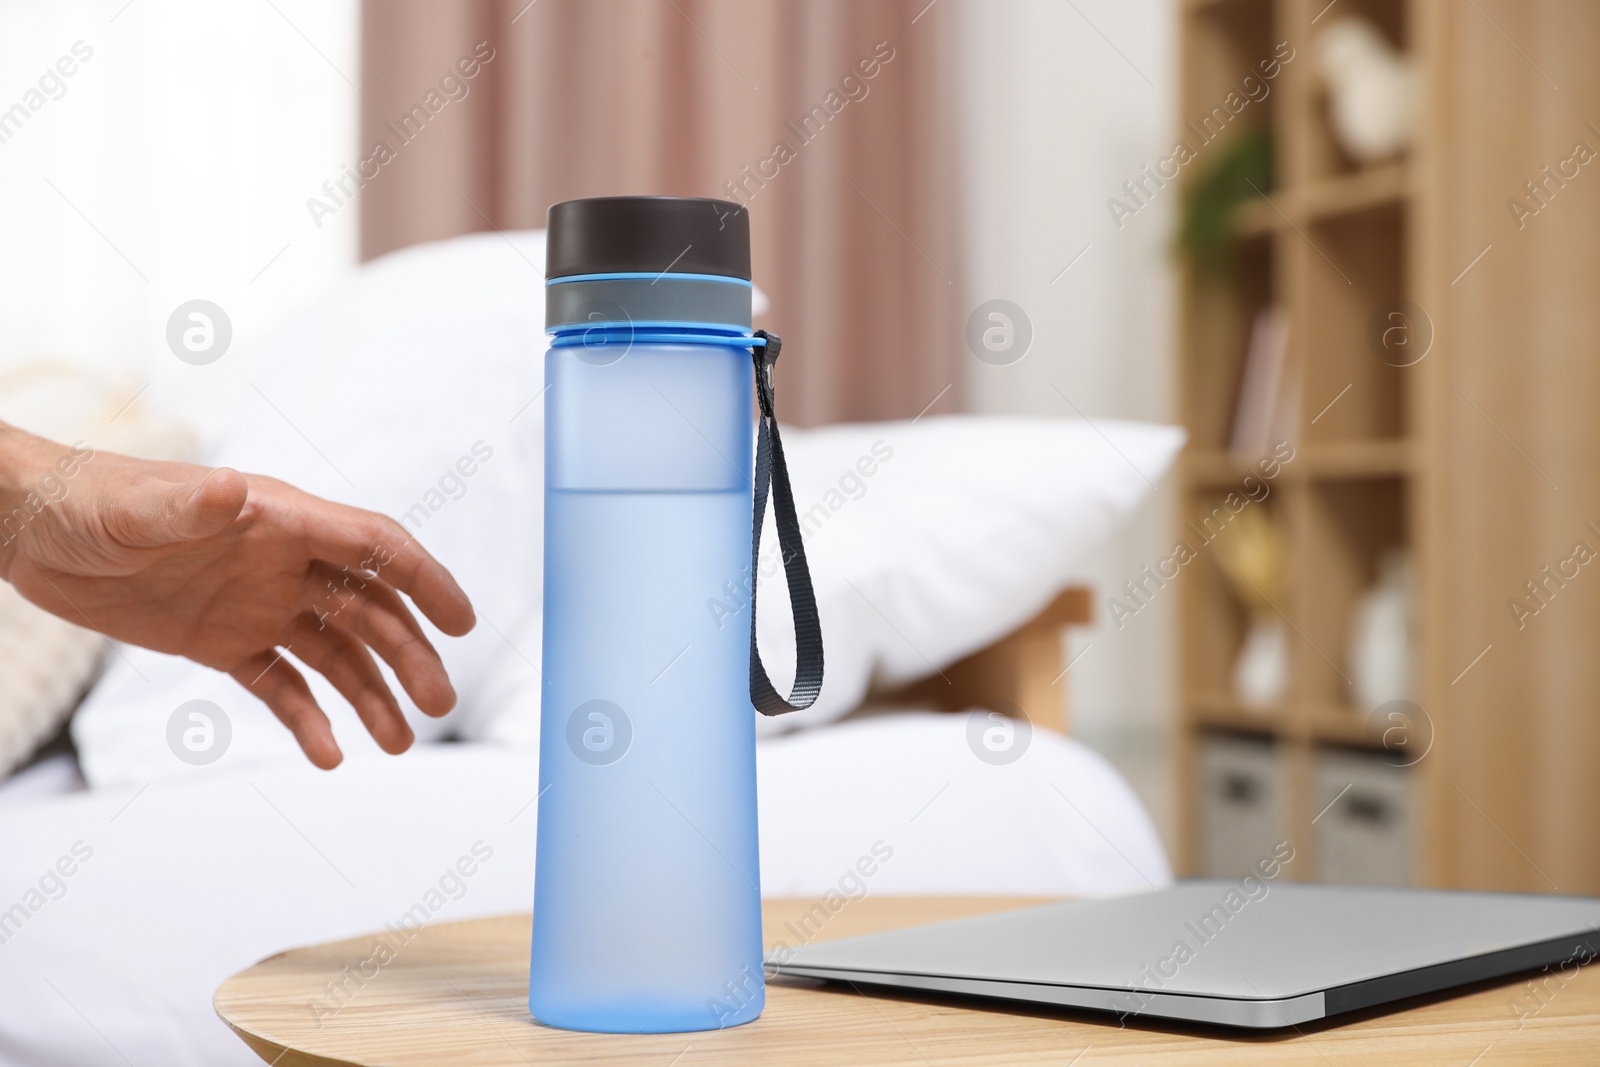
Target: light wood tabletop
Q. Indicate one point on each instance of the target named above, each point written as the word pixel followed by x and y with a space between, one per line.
pixel 457 994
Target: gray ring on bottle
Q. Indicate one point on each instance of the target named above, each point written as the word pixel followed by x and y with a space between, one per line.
pixel 667 299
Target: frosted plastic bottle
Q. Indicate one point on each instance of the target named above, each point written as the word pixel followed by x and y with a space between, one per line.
pixel 646 904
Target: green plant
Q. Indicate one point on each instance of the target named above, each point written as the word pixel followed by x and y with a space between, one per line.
pixel 1205 232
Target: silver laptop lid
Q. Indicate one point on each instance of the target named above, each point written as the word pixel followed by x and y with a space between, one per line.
pixel 1215 951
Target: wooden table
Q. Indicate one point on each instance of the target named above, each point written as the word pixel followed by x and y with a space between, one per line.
pixel 458 992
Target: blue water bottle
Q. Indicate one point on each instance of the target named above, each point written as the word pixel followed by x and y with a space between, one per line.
pixel 647 910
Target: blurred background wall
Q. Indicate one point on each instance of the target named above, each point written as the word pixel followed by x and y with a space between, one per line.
pixel 1061 102
pixel 174 163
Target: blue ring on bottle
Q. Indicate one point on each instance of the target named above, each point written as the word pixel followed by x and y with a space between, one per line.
pixel 593 335
pixel 653 276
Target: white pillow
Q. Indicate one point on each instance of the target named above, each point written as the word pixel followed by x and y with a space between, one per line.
pixel 932 538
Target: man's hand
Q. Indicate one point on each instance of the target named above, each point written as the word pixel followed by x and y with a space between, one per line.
pixel 227 569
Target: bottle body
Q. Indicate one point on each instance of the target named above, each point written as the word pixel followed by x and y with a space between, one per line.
pixel 646 903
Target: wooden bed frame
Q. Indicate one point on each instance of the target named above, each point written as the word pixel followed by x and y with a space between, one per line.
pixel 1025 668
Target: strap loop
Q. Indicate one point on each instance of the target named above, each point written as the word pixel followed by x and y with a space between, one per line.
pixel 771 468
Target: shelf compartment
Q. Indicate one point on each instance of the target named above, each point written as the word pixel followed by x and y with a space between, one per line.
pixel 1350 525
pixel 1356 272
pixel 1323 154
pixel 1220 318
pixel 1216 618
pixel 1229 39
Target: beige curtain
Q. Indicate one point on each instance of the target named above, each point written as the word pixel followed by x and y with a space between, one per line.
pixel 831 120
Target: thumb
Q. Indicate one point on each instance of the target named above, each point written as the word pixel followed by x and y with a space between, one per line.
pixel 210 506
pixel 190 511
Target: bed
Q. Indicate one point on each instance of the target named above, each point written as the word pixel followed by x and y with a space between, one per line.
pixel 132 883
pixel 147 897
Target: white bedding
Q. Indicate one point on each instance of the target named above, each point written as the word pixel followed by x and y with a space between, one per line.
pixel 177 885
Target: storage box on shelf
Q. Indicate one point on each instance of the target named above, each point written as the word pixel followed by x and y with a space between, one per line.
pixel 1365 826
pixel 1242 813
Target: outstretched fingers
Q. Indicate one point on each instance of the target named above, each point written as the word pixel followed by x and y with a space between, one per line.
pixel 275 681
pixel 347 664
pixel 373 614
pixel 379 546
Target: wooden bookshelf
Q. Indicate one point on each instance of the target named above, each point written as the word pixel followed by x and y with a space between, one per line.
pixel 1456 458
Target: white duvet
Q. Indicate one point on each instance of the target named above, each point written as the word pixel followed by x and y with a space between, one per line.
pixel 125 908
